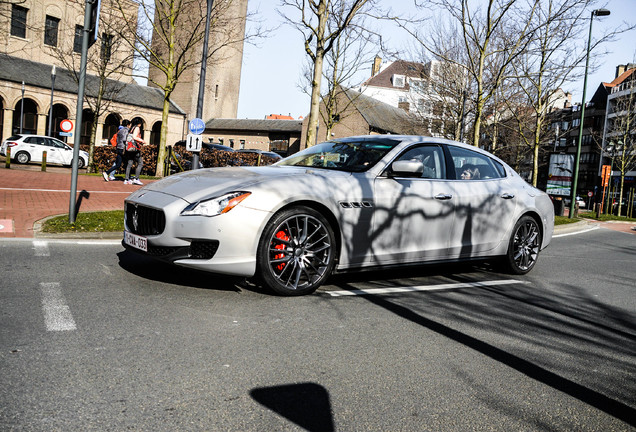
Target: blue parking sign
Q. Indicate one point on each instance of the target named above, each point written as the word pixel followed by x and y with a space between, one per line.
pixel 196 126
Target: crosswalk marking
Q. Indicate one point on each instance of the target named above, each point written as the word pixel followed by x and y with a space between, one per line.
pixel 402 289
pixel 41 248
pixel 57 314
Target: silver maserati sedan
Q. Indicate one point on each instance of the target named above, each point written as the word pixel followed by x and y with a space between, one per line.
pixel 347 204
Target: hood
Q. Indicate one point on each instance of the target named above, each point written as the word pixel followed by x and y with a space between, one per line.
pixel 202 183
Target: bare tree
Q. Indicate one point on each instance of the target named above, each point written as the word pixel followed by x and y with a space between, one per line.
pixel 108 60
pixel 486 58
pixel 553 59
pixel 352 52
pixel 171 42
pixel 321 22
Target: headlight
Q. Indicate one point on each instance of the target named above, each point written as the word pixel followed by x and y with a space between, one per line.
pixel 215 206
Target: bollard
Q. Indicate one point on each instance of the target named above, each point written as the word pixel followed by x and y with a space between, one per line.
pixel 44 161
pixel 7 162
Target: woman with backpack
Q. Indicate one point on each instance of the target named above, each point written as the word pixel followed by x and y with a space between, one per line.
pixel 134 141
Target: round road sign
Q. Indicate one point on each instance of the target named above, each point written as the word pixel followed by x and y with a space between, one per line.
pixel 66 125
pixel 196 126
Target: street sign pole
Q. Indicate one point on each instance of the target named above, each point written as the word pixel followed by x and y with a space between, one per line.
pixel 204 62
pixel 80 106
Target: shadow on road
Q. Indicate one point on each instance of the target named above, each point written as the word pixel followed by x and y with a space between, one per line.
pixel 305 404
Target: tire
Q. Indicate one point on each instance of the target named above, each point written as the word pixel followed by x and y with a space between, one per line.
pixel 80 163
pixel 22 157
pixel 296 252
pixel 523 247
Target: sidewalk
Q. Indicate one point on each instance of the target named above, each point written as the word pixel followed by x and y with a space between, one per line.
pixel 28 195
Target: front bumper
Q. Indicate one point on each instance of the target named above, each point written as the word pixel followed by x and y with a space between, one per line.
pixel 224 244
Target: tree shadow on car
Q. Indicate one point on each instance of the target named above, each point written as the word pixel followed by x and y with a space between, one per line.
pixel 151 269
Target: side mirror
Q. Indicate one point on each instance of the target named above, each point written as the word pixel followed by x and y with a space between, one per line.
pixel 404 168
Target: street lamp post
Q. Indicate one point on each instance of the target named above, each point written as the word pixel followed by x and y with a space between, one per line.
pixel 51 107
pixel 22 107
pixel 595 12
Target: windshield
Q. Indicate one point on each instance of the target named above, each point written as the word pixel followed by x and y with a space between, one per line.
pixel 355 156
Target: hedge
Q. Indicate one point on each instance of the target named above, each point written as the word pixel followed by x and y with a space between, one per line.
pixel 104 157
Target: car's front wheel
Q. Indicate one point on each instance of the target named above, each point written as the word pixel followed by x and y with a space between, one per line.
pixel 524 245
pixel 296 252
pixel 80 163
pixel 22 157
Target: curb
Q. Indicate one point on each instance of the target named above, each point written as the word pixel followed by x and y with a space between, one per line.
pixel 574 227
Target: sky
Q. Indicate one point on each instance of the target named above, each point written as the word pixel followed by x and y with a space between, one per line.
pixel 272 70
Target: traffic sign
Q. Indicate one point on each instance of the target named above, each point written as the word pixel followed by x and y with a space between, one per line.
pixel 196 126
pixel 66 134
pixel 66 125
pixel 194 142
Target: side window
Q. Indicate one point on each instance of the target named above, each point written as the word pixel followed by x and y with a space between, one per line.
pixel 51 26
pixel 471 165
pixel 431 156
pixel 18 21
pixel 55 143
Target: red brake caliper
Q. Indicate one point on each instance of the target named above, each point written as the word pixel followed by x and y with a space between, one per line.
pixel 282 236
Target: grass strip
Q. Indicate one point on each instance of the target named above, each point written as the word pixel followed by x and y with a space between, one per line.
pixel 103 221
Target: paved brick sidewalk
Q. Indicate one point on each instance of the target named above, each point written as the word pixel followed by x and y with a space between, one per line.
pixel 27 195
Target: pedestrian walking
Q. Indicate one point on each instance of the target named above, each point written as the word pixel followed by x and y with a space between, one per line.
pixel 120 149
pixel 134 141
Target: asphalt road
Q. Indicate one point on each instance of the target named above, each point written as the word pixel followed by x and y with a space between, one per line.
pixel 96 338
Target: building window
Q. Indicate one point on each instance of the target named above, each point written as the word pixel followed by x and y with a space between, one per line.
pixel 77 42
pixel 576 122
pixel 18 21
pixel 51 26
pixel 398 80
pixel 107 44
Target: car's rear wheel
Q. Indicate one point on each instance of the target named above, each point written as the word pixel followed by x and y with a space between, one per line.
pixel 22 157
pixel 296 253
pixel 80 163
pixel 524 245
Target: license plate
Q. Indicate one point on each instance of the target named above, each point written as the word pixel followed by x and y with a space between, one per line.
pixel 136 241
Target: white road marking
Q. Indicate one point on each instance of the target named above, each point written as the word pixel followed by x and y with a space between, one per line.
pixel 41 248
pixel 105 269
pixel 392 290
pixel 595 227
pixel 57 315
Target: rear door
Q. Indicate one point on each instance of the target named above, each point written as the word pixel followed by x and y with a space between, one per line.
pixel 35 145
pixel 484 201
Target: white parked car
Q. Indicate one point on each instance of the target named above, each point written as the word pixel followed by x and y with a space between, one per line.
pixel 346 204
pixel 29 148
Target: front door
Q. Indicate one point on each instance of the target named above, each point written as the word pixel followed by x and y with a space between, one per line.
pixel 413 217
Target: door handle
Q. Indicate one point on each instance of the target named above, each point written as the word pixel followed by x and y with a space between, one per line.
pixel 506 195
pixel 443 196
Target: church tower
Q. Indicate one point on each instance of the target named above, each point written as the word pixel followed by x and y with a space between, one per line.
pixel 223 69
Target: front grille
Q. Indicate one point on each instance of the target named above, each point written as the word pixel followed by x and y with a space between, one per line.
pixel 143 220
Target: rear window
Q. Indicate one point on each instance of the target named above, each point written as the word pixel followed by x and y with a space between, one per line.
pixel 471 165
